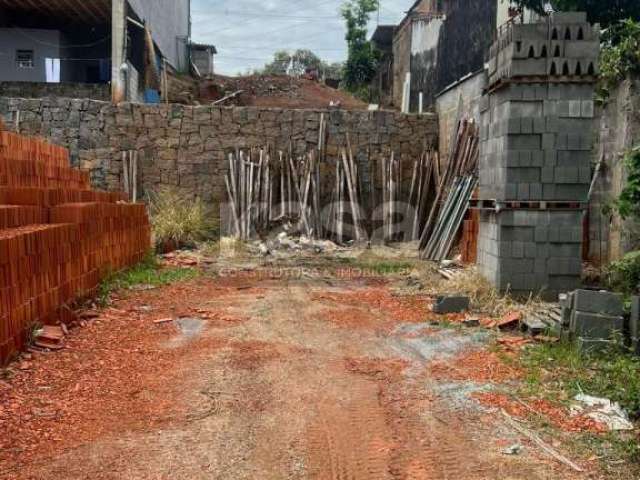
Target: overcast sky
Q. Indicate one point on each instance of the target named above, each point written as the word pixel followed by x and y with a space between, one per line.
pixel 248 32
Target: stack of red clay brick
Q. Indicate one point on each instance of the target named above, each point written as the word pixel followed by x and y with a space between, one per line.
pixel 58 238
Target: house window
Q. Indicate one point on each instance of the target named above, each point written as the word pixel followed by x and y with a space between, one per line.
pixel 24 58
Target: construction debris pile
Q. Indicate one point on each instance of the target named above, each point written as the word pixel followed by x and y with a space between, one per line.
pixel 58 238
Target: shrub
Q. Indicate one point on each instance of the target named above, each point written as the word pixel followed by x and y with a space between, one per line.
pixel 624 275
pixel 178 221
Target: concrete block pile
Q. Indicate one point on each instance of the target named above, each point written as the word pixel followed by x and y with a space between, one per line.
pixel 523 250
pixel 535 155
pixel 592 319
pixel 564 45
pixel 537 144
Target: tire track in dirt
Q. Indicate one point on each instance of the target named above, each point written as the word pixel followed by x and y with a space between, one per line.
pixel 385 426
pixel 351 439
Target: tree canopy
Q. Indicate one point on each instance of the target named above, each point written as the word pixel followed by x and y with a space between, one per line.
pixel 362 57
pixel 605 12
pixel 298 62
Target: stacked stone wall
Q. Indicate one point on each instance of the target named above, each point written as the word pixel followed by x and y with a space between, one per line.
pixel 187 147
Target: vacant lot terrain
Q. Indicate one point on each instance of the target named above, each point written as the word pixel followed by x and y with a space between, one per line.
pixel 269 374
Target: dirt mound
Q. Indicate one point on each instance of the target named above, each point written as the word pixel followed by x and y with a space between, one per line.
pixel 276 91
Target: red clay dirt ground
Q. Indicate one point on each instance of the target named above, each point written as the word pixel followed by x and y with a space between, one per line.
pixel 273 379
pixel 277 91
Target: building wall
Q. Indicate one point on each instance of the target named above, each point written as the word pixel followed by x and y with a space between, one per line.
pixel 44 43
pixel 203 59
pixel 186 147
pixel 465 97
pixel 94 91
pixel 502 13
pixel 425 42
pixel 169 22
pixel 463 40
pixel 610 237
pixel 401 61
pixel 439 43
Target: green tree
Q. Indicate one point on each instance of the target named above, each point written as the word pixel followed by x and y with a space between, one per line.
pixel 279 64
pixel 295 64
pixel 362 57
pixel 332 70
pixel 605 12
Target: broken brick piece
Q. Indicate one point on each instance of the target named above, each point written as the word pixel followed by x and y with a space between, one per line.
pixel 510 320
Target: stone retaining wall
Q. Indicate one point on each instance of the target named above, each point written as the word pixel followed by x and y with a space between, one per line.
pixel 186 147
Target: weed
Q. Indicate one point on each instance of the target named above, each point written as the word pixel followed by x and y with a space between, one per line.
pixel 559 371
pixel 624 274
pixel 147 272
pixel 484 296
pixel 377 265
pixel 562 368
pixel 179 221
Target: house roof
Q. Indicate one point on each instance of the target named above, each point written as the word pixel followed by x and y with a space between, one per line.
pixel 76 11
pixel 204 46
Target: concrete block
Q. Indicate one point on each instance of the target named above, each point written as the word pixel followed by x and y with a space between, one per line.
pixel 602 302
pixel 562 141
pixel 517 249
pixel 575 108
pixel 535 191
pixel 548 141
pixel 550 106
pixel 526 125
pixel 451 304
pixel 568 17
pixel 586 143
pixel 541 234
pixel 537 158
pixel 523 191
pixel 547 175
pixel 566 301
pixel 513 126
pixel 530 250
pixel 590 346
pixel 593 325
pixel 539 125
pixel 550 157
pixel 587 109
pixel 563 108
pixel 585 174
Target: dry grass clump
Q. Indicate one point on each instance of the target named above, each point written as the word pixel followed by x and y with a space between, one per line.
pixel 178 221
pixel 485 298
